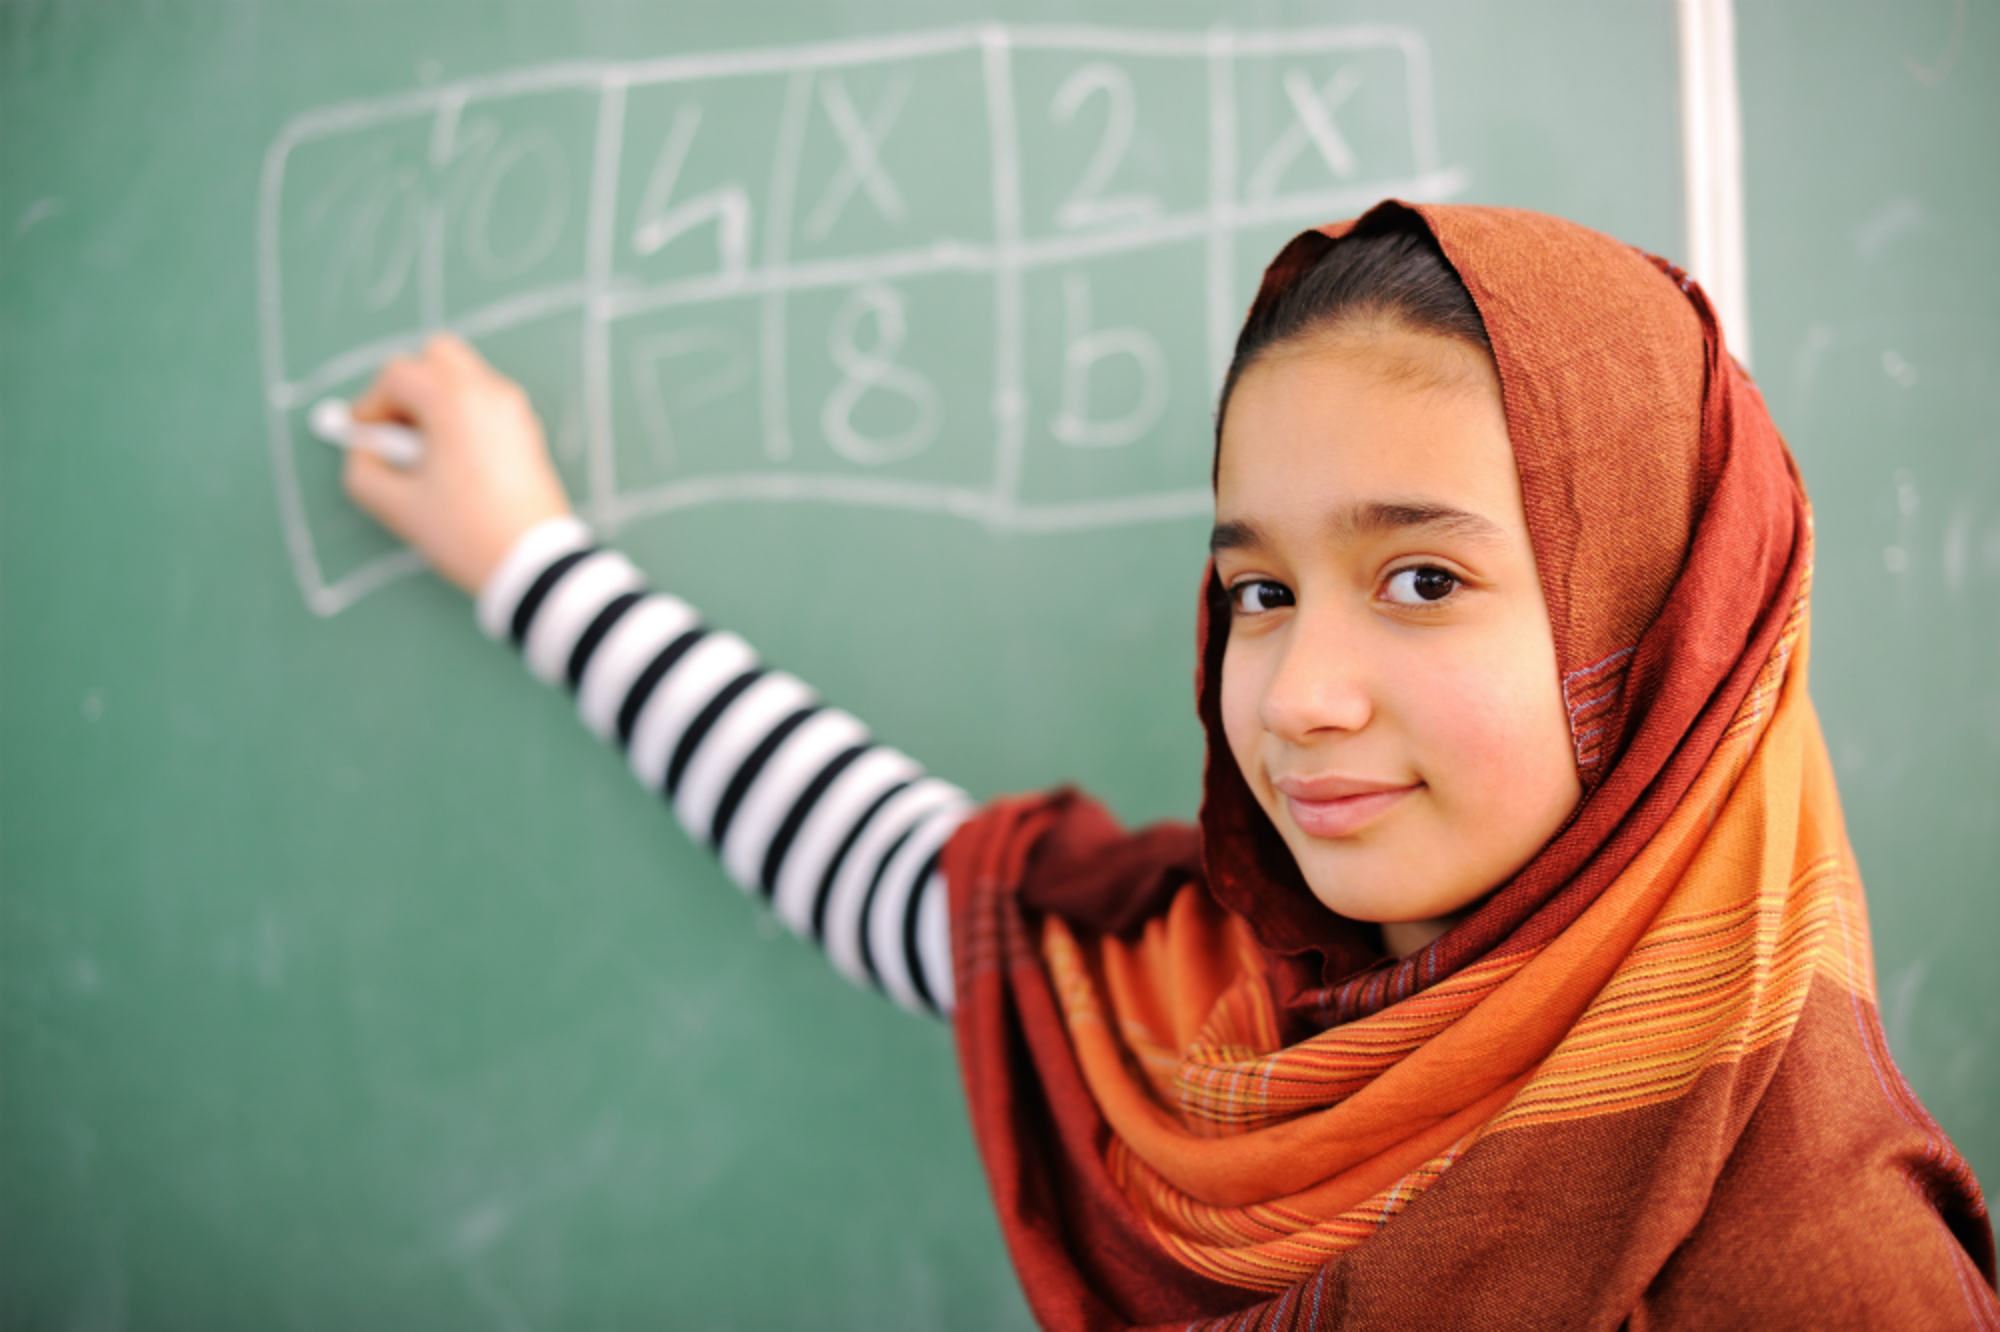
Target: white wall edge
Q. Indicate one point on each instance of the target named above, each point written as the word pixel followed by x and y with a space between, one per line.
pixel 1712 164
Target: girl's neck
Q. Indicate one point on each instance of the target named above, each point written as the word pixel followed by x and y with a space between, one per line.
pixel 1404 937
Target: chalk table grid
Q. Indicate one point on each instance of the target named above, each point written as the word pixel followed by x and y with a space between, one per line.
pixel 697 295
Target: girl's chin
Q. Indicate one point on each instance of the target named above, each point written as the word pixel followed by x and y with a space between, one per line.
pixel 1372 884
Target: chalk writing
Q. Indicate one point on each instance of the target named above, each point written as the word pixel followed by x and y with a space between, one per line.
pixel 843 272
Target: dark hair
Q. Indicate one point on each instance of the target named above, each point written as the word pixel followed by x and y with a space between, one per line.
pixel 1395 273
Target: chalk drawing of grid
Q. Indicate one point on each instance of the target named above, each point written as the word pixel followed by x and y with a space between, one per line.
pixel 1245 188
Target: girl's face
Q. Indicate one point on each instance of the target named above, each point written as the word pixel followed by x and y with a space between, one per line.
pixel 1389 688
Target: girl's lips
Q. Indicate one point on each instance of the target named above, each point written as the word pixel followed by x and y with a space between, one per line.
pixel 1338 808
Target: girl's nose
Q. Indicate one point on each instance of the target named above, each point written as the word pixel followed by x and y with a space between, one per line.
pixel 1320 683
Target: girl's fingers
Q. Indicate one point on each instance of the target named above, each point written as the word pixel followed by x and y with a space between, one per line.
pixel 405 389
pixel 453 354
pixel 485 476
pixel 381 489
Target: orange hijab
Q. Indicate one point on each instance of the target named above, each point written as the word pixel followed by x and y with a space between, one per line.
pixel 1643 1082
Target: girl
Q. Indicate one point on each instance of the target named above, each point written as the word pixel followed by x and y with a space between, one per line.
pixel 1517 974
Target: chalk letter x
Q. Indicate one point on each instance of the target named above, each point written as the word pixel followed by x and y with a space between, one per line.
pixel 862 166
pixel 1312 123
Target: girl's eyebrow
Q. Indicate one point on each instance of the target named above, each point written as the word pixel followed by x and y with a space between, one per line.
pixel 1377 517
pixel 1235 535
pixel 1372 518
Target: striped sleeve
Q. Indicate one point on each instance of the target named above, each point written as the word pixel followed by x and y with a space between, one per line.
pixel 841 836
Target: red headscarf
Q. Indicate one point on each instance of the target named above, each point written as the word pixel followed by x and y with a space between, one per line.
pixel 1644 1079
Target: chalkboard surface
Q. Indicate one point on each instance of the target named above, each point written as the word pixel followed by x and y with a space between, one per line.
pixel 345 981
pixel 1871 186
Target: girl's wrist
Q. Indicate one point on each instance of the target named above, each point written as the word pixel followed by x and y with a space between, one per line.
pixel 532 552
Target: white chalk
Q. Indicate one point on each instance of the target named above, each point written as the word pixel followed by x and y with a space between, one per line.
pixel 332 421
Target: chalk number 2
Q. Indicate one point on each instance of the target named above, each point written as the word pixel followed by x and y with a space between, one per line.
pixel 1088 205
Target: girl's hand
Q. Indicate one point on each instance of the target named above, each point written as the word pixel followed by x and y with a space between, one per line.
pixel 485 476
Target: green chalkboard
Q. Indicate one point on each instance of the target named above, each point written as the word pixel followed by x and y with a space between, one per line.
pixel 346 981
pixel 1871 188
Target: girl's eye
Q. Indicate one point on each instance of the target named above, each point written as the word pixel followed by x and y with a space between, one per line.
pixel 1258 595
pixel 1421 586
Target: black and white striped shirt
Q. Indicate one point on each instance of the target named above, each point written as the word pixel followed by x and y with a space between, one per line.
pixel 840 835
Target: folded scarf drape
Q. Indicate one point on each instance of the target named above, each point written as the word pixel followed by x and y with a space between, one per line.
pixel 1643 1082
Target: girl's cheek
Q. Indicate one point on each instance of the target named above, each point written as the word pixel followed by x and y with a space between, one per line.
pixel 1493 731
pixel 1239 711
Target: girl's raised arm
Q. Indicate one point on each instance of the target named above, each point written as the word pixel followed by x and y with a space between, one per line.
pixel 840 835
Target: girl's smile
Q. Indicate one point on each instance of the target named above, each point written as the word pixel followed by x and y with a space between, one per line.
pixel 1335 806
pixel 1389 689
